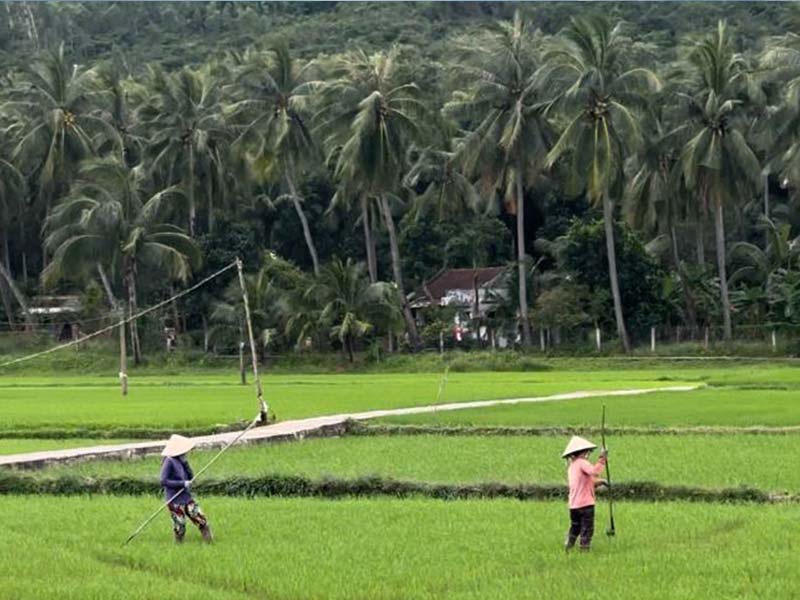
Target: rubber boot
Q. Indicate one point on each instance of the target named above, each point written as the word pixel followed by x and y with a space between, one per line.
pixel 208 537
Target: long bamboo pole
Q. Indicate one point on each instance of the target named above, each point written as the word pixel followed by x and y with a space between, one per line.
pixel 149 520
pixel 259 390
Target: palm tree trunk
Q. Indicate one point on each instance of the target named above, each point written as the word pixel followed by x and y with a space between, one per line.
pixel 210 195
pixel 5 293
pixel 132 310
pixel 691 312
pixel 312 249
pixel 6 252
pixel 719 223
pixel 176 317
pixel 123 355
pixel 700 242
pixel 192 207
pixel 112 300
pixel 411 326
pixel 673 238
pixel 5 296
pixel 523 283
pixel 608 224
pixel 369 241
pixel 18 295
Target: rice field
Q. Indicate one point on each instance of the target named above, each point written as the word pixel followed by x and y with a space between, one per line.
pixel 714 406
pixel 410 549
pixel 196 401
pixel 413 547
pixel 718 461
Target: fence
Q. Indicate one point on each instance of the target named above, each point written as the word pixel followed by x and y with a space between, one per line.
pixel 658 339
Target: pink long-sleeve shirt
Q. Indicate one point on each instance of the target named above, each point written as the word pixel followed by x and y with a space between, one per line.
pixel 582 475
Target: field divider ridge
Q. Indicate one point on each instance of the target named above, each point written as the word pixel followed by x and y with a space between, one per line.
pixel 358 428
pixel 280 485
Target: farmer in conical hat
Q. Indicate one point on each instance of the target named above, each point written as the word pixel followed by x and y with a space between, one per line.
pixel 176 478
pixel 583 477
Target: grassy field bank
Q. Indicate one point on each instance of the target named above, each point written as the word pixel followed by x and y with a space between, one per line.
pixel 395 549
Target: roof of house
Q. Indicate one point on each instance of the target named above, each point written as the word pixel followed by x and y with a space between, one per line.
pixel 457 279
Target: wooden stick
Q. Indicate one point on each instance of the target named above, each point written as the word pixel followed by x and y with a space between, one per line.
pixel 200 472
pixel 259 390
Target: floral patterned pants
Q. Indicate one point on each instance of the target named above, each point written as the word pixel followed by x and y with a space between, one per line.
pixel 179 513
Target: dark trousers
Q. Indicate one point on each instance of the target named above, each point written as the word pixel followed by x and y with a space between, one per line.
pixel 581 524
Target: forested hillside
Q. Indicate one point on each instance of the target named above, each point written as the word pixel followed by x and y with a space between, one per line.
pixel 633 164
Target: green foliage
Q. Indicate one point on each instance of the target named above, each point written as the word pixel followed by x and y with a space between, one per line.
pixel 429 245
pixel 641 277
pixel 419 118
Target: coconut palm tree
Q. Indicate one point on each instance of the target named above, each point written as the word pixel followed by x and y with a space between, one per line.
pixel 188 135
pixel 116 97
pixel 111 223
pixel 444 191
pixel 274 91
pixel 768 275
pixel 350 78
pixel 653 195
pixel 501 101
pixel 717 160
pixel 371 127
pixel 12 190
pixel 599 94
pixel 780 132
pixel 57 124
pixel 351 305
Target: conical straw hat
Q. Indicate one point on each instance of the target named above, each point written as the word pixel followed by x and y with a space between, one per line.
pixel 177 445
pixel 578 444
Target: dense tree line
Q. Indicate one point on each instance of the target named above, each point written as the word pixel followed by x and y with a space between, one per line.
pixel 605 160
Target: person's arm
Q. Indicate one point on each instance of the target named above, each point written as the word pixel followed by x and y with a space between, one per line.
pixel 167 474
pixel 590 469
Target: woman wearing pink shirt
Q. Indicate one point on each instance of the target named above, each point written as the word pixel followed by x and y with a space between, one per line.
pixel 583 477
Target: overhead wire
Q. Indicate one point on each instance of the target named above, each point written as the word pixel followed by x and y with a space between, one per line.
pixel 123 321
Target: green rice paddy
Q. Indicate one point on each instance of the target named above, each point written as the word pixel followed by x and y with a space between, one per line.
pixel 191 401
pixel 410 549
pixel 724 406
pixel 56 547
pixel 759 461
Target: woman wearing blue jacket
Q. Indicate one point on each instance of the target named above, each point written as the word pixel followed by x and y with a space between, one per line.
pixel 176 478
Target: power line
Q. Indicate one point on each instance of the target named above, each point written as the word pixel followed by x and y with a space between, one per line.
pixel 122 322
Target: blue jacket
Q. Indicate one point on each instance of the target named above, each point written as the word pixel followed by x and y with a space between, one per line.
pixel 175 471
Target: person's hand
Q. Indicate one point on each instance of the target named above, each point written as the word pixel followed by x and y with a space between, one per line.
pixel 604 453
pixel 187 485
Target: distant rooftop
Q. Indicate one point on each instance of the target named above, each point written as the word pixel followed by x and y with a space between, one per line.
pixel 450 280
